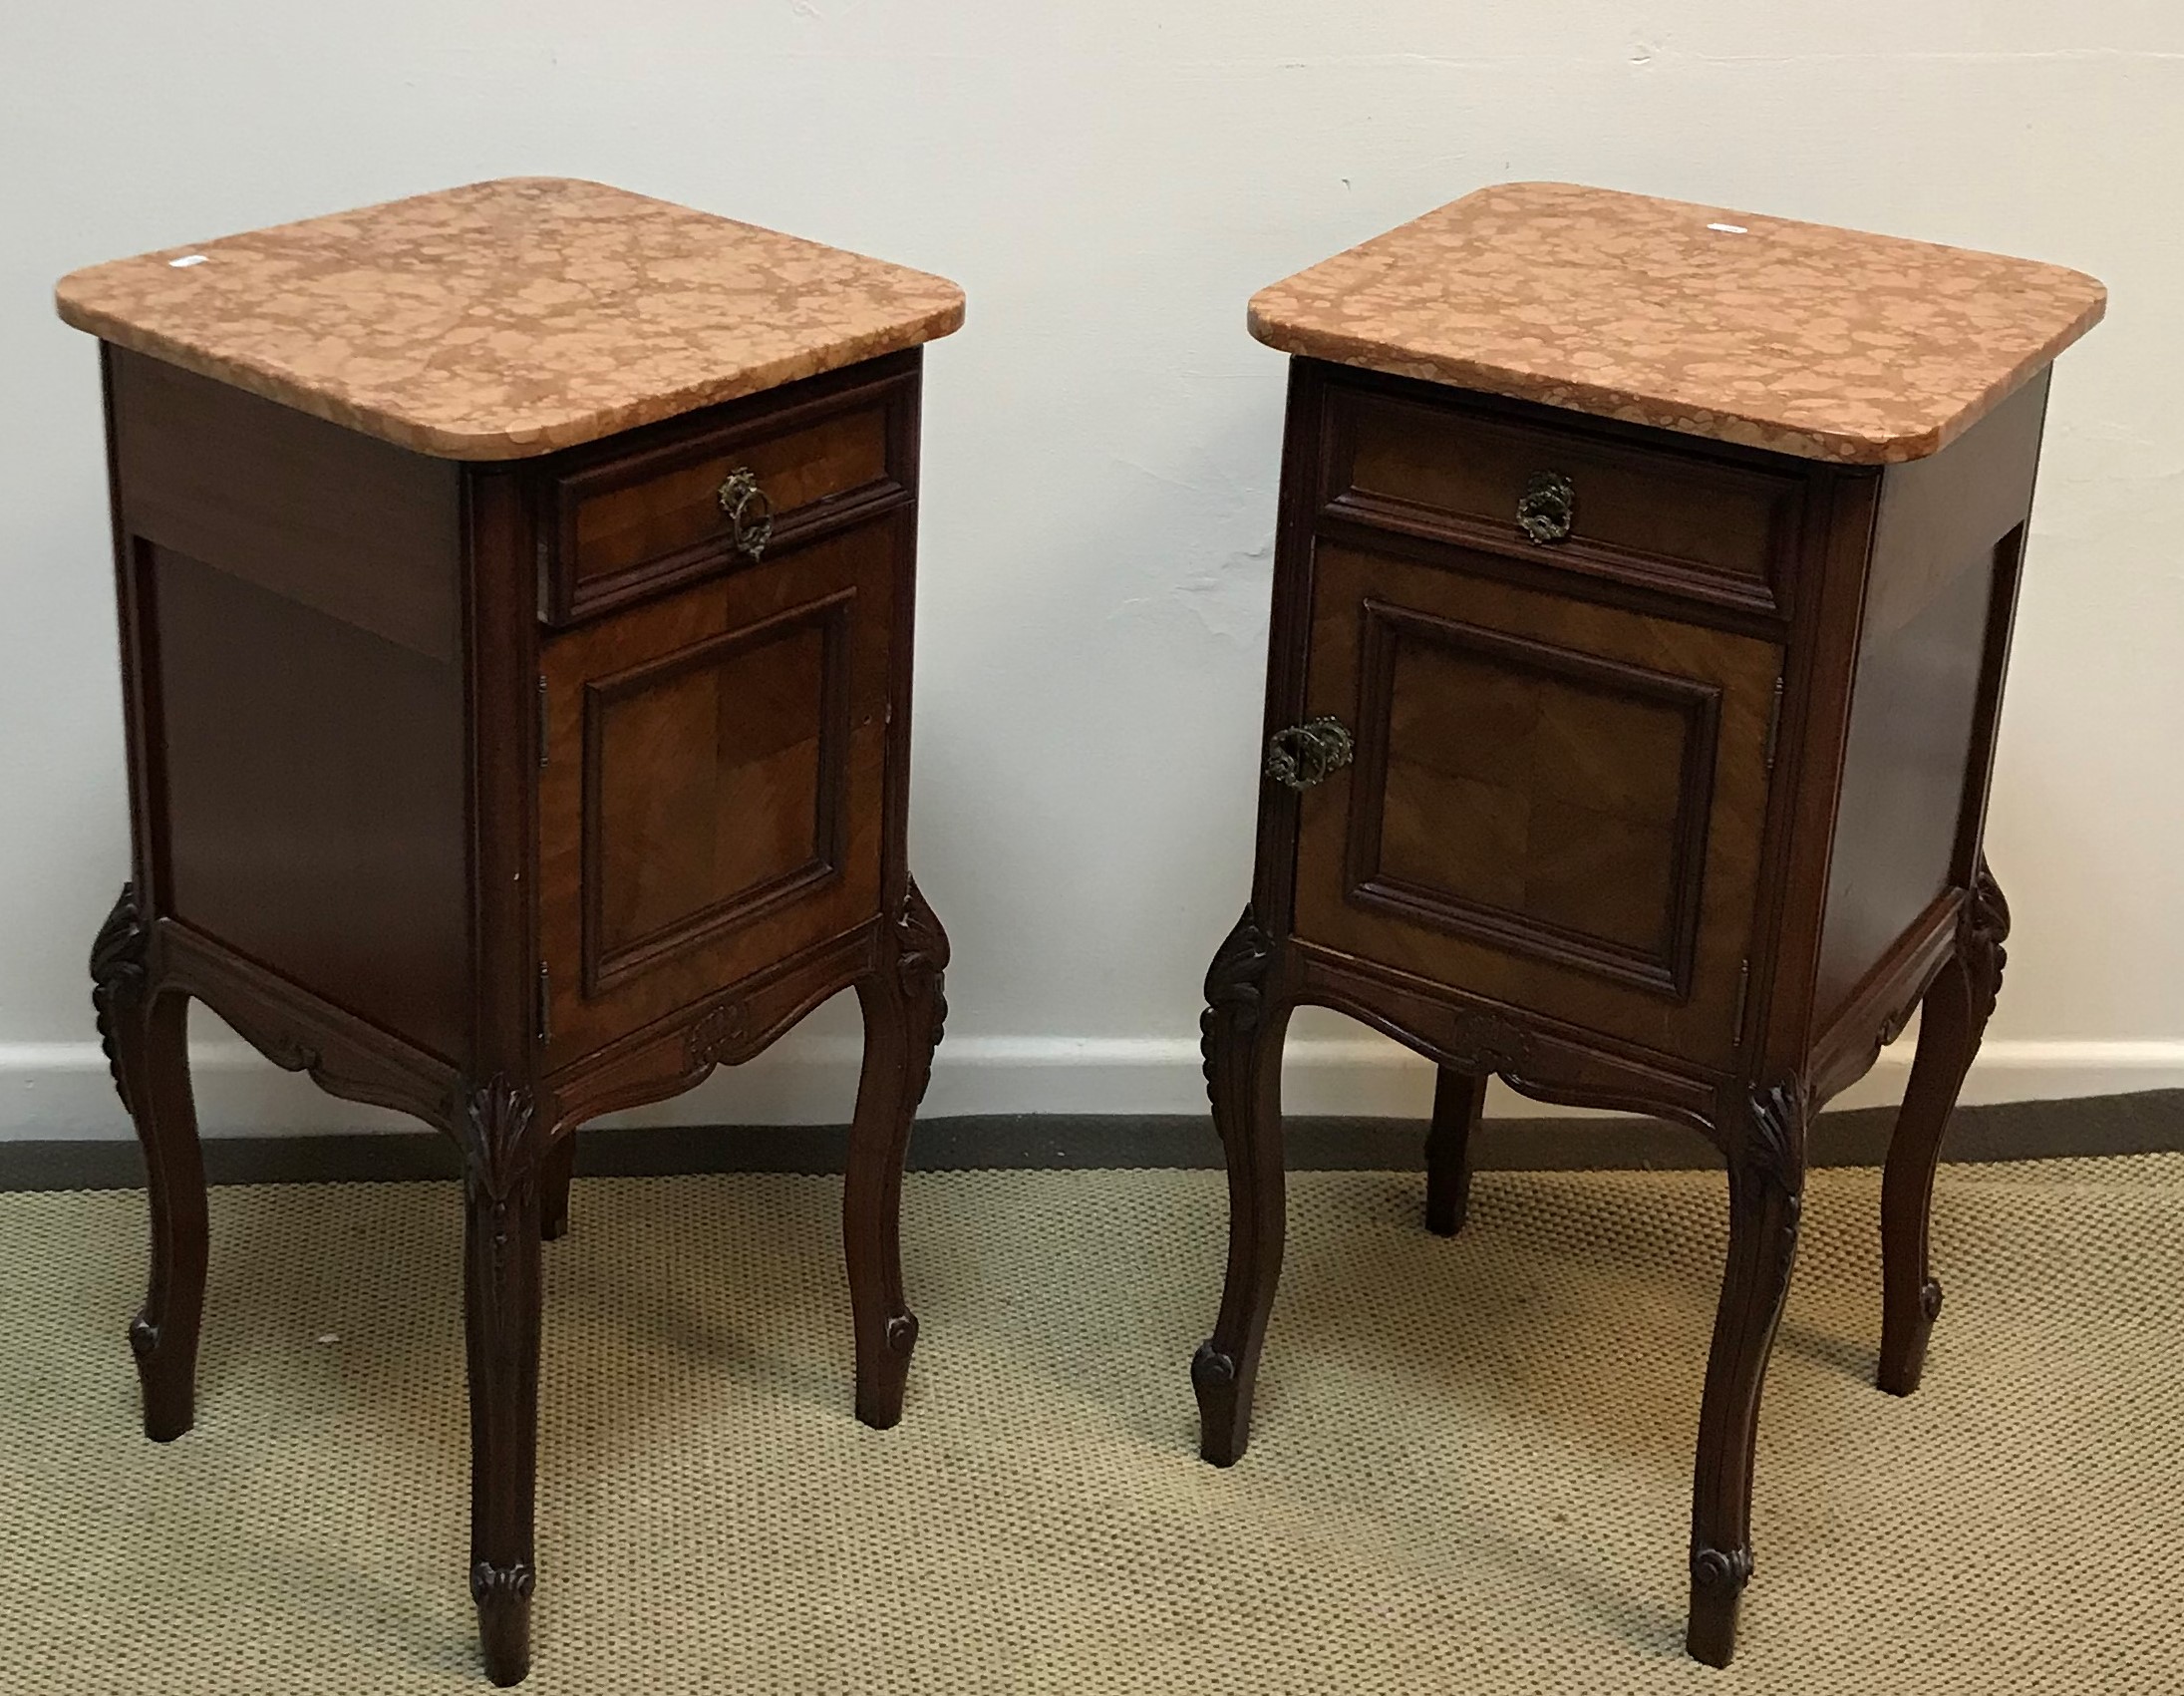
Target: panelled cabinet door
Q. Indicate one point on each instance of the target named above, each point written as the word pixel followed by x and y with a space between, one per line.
pixel 709 801
pixel 1555 803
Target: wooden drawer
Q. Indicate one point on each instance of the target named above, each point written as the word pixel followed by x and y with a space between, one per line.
pixel 726 487
pixel 1692 521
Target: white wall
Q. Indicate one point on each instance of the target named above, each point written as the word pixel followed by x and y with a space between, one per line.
pixel 1109 182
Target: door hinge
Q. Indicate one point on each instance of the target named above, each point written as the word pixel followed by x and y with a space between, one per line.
pixel 1775 723
pixel 1743 992
pixel 543 720
pixel 545 1005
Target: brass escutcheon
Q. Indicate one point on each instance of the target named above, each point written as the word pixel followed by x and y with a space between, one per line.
pixel 750 513
pixel 1547 507
pixel 1304 754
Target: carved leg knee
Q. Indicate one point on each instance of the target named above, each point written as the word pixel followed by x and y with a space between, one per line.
pixel 1241 1036
pixel 905 1007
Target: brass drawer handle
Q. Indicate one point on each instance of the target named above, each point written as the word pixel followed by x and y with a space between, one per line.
pixel 750 513
pixel 1304 754
pixel 1547 507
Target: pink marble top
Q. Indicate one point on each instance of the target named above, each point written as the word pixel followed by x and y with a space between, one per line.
pixel 1796 337
pixel 508 319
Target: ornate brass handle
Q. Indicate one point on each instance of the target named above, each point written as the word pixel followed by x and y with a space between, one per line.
pixel 1547 507
pixel 750 513
pixel 1304 754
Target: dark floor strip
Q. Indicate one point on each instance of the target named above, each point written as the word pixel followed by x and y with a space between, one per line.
pixel 2104 1125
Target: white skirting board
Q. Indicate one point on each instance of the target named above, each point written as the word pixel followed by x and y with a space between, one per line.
pixel 61 1090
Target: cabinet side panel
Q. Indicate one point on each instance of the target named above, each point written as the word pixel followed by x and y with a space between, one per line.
pixel 302 696
pixel 357 527
pixel 1931 645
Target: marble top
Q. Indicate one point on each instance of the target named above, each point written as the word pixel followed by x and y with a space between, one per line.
pixel 1796 337
pixel 508 319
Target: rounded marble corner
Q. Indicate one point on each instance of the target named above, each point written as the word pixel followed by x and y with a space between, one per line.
pixel 945 321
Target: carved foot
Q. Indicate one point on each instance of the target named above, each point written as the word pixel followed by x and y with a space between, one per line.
pixel 504 1599
pixel 1904 1340
pixel 1718 1577
pixel 1224 1407
pixel 880 1386
pixel 169 1395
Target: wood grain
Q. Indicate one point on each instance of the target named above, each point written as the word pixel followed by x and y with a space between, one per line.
pixel 711 796
pixel 1549 767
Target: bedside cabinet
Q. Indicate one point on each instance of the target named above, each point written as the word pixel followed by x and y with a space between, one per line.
pixel 516 592
pixel 1643 592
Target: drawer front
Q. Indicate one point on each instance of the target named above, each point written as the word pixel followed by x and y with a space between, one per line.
pixel 1550 803
pixel 711 797
pixel 727 488
pixel 1665 517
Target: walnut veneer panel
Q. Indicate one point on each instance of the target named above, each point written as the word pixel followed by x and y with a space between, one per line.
pixel 711 801
pixel 1513 786
pixel 1804 339
pixel 508 318
pixel 1556 803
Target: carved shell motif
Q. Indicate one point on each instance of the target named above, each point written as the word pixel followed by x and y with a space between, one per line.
pixel 1236 985
pixel 1775 1145
pixel 497 1124
pixel 118 979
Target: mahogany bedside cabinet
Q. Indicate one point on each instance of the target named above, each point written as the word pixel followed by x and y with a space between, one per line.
pixel 516 602
pixel 1642 587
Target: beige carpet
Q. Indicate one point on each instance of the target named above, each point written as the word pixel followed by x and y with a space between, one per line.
pixel 1470 1470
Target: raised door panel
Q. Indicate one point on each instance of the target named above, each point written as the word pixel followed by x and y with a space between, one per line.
pixel 711 801
pixel 1554 804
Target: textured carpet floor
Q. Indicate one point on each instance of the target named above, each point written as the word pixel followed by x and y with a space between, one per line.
pixel 1470 1469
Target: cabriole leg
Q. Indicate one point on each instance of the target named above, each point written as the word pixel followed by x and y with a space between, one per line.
pixel 1952 1019
pixel 1241 1038
pixel 145 1036
pixel 1766 1190
pixel 904 1007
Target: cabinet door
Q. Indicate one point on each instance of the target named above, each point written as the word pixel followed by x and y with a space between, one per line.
pixel 711 796
pixel 1554 804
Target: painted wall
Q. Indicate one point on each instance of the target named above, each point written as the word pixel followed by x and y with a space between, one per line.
pixel 1109 182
